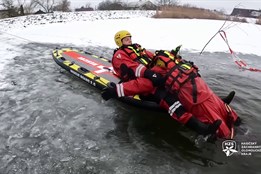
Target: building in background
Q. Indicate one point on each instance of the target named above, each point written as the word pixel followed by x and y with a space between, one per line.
pixel 84 9
pixel 142 5
pixel 249 13
pixel 3 13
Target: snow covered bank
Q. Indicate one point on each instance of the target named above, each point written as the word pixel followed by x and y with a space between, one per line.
pixel 97 28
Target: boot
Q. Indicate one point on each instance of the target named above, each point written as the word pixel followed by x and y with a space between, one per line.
pixel 212 128
pixel 202 128
pixel 229 98
pixel 238 121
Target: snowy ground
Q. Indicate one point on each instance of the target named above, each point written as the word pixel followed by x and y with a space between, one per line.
pixel 99 27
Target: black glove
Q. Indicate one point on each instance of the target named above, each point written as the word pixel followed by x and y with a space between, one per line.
pixel 109 92
pixel 155 78
pixel 176 51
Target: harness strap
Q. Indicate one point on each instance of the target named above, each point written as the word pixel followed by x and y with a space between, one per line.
pixel 174 79
pixel 143 59
pixel 194 87
pixel 191 77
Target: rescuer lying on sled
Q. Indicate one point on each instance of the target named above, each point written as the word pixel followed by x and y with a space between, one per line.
pixel 173 82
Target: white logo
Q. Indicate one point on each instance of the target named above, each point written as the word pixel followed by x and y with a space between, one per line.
pixel 119 56
pixel 229 147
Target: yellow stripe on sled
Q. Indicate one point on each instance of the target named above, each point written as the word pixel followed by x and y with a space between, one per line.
pixel 100 80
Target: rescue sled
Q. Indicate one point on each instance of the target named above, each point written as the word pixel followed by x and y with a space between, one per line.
pixel 96 71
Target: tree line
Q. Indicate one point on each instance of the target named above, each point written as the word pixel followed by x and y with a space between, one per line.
pixel 21 7
pixel 12 8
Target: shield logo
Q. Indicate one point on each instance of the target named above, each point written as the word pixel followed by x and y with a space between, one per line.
pixel 229 147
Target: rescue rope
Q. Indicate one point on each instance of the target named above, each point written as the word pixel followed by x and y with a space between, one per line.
pixel 238 61
pixel 241 63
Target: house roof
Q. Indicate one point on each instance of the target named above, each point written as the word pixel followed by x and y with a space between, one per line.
pixel 246 12
pixel 39 12
pixel 140 3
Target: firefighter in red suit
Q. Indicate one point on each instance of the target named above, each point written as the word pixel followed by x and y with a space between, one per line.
pixel 183 79
pixel 131 63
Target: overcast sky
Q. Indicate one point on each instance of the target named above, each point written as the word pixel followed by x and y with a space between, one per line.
pixel 226 5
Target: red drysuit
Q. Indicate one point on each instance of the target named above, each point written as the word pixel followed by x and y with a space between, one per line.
pixel 128 66
pixel 194 94
pixel 197 98
pixel 130 63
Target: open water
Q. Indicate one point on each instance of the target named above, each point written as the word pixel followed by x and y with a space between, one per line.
pixel 52 122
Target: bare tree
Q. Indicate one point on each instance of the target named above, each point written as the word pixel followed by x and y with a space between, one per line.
pixel 88 5
pixel 21 10
pixel 111 5
pixel 63 5
pixel 167 2
pixel 7 4
pixel 10 7
pixel 29 7
pixel 47 5
pixel 21 2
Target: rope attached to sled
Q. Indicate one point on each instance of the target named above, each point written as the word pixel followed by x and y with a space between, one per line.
pixel 241 63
